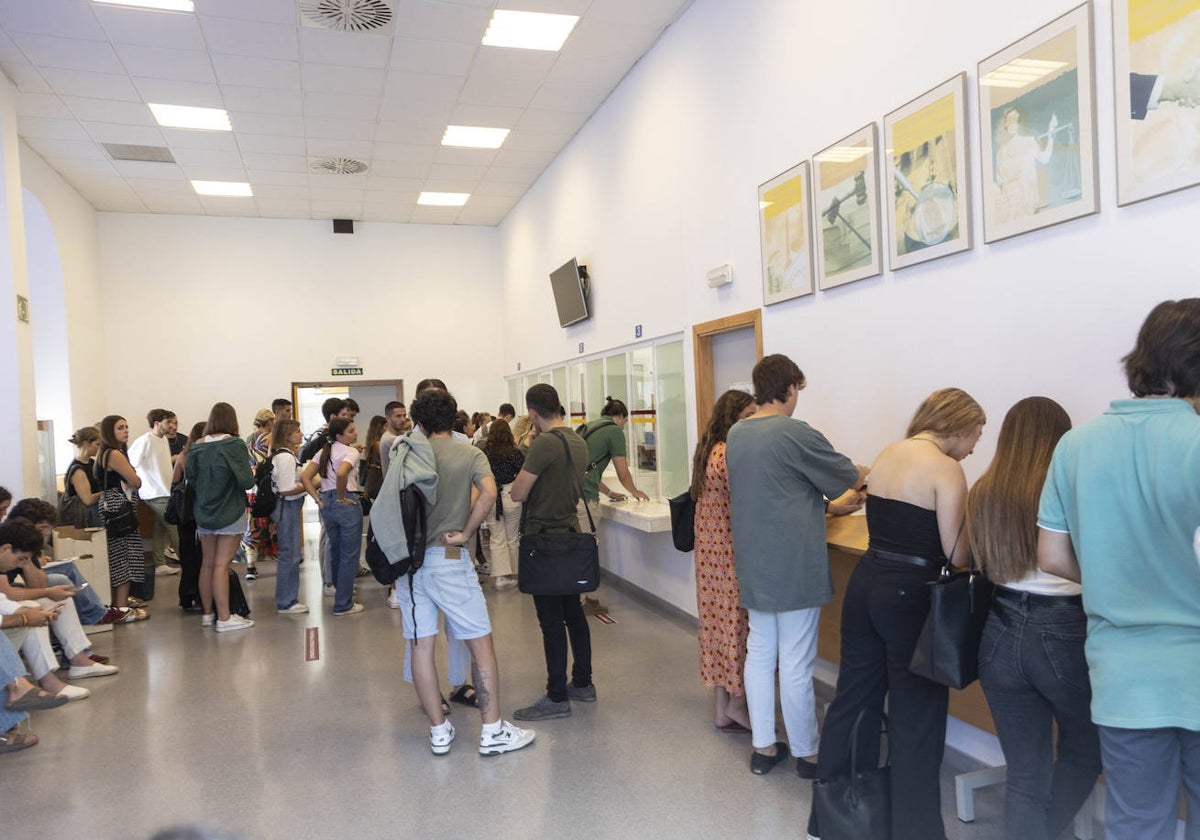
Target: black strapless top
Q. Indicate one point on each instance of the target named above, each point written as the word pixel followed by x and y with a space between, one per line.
pixel 903 528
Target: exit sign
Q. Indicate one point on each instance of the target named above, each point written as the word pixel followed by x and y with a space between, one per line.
pixel 346 371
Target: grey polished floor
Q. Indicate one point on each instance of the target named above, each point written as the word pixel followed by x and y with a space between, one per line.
pixel 238 731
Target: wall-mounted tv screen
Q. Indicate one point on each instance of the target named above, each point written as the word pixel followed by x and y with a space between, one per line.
pixel 569 284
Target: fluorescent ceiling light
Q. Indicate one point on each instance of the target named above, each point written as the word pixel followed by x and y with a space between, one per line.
pixel 167 5
pixel 474 137
pixel 436 199
pixel 236 189
pixel 187 116
pixel 528 30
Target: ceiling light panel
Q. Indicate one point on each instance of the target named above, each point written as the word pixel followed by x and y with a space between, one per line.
pixel 237 189
pixel 162 5
pixel 474 137
pixel 187 116
pixel 439 199
pixel 528 30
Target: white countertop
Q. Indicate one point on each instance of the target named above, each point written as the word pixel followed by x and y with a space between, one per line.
pixel 651 517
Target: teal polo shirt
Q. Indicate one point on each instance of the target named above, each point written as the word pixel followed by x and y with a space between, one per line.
pixel 1126 487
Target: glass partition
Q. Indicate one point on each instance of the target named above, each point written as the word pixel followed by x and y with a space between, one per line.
pixel 576 388
pixel 558 378
pixel 643 418
pixel 594 389
pixel 672 420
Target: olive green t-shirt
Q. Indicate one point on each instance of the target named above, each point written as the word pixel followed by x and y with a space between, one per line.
pixel 459 467
pixel 550 507
pixel 605 440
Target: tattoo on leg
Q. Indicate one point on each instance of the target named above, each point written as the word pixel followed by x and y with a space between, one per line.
pixel 482 695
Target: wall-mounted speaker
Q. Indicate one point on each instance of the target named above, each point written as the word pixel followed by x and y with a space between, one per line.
pixel 343 226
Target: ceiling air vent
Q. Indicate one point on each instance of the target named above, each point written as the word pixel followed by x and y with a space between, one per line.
pixel 150 154
pixel 338 166
pixel 373 16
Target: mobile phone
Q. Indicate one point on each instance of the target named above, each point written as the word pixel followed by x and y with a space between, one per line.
pixel 82 586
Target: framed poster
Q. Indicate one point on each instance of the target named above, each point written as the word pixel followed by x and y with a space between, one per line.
pixel 847 196
pixel 785 233
pixel 1156 61
pixel 929 200
pixel 1037 127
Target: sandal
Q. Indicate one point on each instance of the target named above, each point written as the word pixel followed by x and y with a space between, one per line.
pixel 132 615
pixel 445 707
pixel 760 764
pixel 12 740
pixel 732 726
pixel 465 695
pixel 136 603
pixel 36 700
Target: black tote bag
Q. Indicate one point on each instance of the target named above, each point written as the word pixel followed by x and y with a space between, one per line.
pixel 856 805
pixel 947 651
pixel 559 564
pixel 683 521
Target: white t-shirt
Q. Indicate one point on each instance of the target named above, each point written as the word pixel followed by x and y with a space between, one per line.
pixel 150 457
pixel 285 472
pixel 1038 582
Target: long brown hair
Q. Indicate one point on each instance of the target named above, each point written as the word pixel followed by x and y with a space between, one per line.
pixel 222 420
pixel 374 435
pixel 281 434
pixel 499 444
pixel 725 413
pixel 950 411
pixel 1002 506
pixel 108 442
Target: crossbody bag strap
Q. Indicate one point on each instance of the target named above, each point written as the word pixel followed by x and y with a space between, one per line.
pixel 578 484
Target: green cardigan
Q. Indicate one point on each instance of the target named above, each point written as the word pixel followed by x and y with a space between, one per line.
pixel 220 473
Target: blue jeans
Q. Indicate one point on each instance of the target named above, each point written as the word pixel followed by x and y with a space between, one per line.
pixel 87 603
pixel 343 526
pixel 11 667
pixel 286 517
pixel 1034 674
pixel 1143 769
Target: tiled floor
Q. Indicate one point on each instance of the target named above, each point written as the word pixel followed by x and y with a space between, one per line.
pixel 237 730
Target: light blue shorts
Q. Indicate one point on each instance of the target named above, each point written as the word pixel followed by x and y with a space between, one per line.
pixel 237 526
pixel 447 585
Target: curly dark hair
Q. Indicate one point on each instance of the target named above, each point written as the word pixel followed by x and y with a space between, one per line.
pixel 434 410
pixel 35 510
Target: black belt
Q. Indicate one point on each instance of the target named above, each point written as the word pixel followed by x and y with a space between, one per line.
pixel 910 559
pixel 1033 599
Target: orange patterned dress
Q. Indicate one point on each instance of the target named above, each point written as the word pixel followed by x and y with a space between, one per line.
pixel 724 624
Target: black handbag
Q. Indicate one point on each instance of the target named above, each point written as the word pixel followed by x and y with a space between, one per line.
pixel 180 507
pixel 559 564
pixel 116 512
pixel 856 805
pixel 683 521
pixel 71 509
pixel 947 651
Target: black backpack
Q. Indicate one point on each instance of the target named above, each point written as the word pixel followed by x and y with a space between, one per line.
pixel 413 512
pixel 264 489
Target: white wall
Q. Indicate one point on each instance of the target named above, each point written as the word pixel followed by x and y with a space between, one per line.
pixel 660 186
pixel 188 304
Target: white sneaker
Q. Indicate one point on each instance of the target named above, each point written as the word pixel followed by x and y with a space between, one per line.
pixel 440 743
pixel 74 692
pixel 505 582
pixel 294 609
pixel 164 571
pixel 208 620
pixel 354 608
pixel 509 738
pixel 78 672
pixel 235 622
pixel 330 590
pixel 393 601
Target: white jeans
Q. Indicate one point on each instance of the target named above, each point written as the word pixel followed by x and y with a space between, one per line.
pixel 789 639
pixel 34 642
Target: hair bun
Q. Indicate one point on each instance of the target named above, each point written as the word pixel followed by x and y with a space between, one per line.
pixel 610 399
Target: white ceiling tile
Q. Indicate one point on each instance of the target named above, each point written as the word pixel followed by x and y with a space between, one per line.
pixel 438 57
pixel 274 163
pixel 250 38
pixel 222 206
pixel 653 12
pixel 406 153
pixel 562 98
pixel 489 116
pixel 339 129
pixel 606 37
pixel 328 195
pixel 106 110
pixel 508 189
pixel 449 185
pixel 42 105
pixel 419 86
pixel 422 215
pixel 68 53
pixel 513 174
pixel 329 78
pixel 262 100
pixel 141 169
pixel 272 144
pixel 55 149
pixel 436 21
pixel 536 141
pixel 134 135
pixel 465 157
pixel 9 51
pixel 97 186
pixel 554 7
pixel 529 66
pixel 64 18
pixel 186 138
pixel 201 172
pixel 558 122
pixel 481 90
pixel 325 147
pixel 378 183
pixel 167 63
pixel 177 206
pixel 268 11
pixel 426 111
pixel 171 92
pixel 116 203
pixel 80 170
pixel 291 180
pixel 351 49
pixel 450 172
pixel 336 209
pixel 249 123
pixel 341 105
pixel 400 169
pixel 27 78
pixel 402 132
pixel 51 129
pixel 207 157
pixel 397 214
pixel 136 26
pixel 257 72
pixel 510 157
pixel 91 85
pixel 280 192
pixel 485 218
pixel 160 188
pixel 283 209
pixel 501 203
pixel 319 179
pixel 583 69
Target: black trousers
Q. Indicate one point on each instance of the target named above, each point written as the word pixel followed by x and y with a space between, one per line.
pixel 883 613
pixel 561 617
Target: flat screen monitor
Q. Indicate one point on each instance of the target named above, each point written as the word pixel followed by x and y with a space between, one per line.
pixel 570 295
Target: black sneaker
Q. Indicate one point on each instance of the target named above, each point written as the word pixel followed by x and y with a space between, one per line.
pixel 251 573
pixel 585 694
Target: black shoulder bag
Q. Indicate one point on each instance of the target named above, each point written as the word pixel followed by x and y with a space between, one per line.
pixel 559 564
pixel 116 511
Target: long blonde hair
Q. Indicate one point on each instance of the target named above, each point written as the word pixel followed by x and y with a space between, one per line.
pixel 1002 506
pixel 949 411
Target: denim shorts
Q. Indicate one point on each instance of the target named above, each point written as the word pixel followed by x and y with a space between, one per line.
pixel 447 585
pixel 237 526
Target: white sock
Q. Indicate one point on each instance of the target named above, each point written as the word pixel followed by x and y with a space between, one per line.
pixel 492 728
pixel 442 729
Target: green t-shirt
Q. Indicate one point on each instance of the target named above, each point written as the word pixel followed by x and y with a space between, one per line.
pixel 605 440
pixel 459 467
pixel 550 507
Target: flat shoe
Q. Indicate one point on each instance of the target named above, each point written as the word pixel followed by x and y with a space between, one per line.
pixel 733 726
pixel 12 740
pixel 35 701
pixel 74 692
pixel 760 764
pixel 806 769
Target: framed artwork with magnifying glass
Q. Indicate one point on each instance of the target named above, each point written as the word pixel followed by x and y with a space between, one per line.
pixel 927 189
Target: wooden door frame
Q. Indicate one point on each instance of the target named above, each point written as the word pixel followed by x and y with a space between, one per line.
pixel 702 338
pixel 347 383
